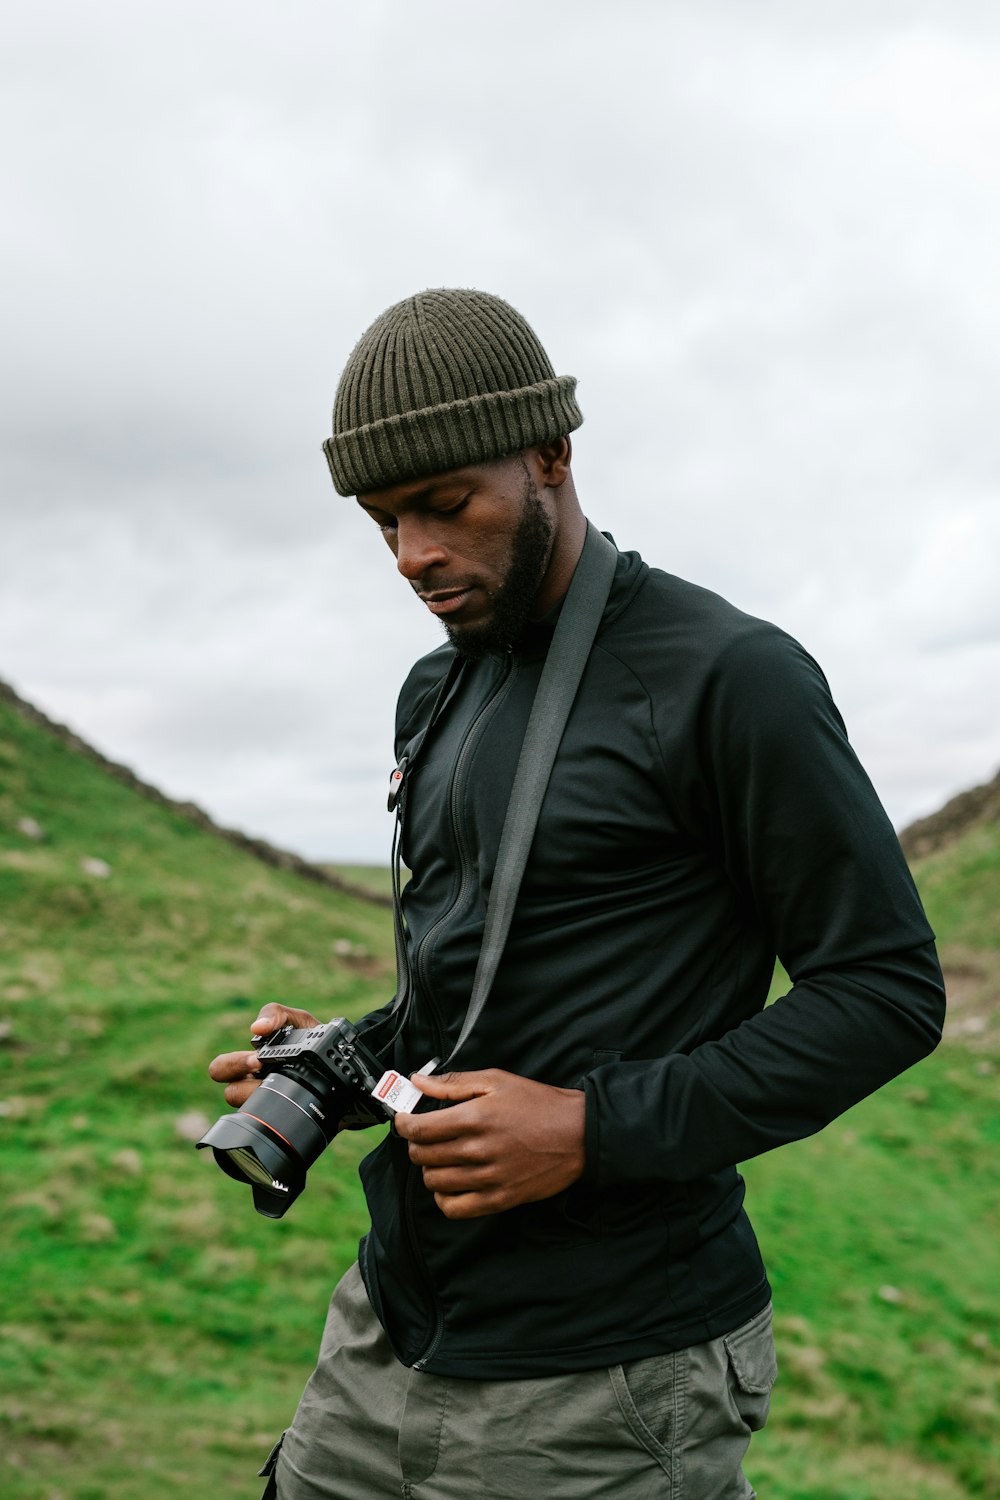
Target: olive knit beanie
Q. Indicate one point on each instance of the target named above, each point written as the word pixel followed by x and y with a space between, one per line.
pixel 443 379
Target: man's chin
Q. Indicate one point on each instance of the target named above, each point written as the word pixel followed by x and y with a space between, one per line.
pixel 476 641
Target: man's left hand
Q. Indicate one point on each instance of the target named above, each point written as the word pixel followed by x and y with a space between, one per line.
pixel 506 1140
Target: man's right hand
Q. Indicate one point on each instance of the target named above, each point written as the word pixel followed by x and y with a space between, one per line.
pixel 238 1070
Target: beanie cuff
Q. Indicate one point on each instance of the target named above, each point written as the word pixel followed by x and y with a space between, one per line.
pixel 435 439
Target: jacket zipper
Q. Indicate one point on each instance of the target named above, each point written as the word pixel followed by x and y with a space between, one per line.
pixel 474 732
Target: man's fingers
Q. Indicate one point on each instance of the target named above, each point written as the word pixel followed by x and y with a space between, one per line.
pixel 236 1094
pixel 460 1179
pixel 229 1066
pixel 511 1140
pixel 469 1205
pixel 273 1016
pixel 448 1124
pixel 443 1125
pixel 454 1151
pixel 456 1085
pixel 269 1018
pixel 238 1070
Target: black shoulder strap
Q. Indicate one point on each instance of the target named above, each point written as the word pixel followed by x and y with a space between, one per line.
pixel 574 636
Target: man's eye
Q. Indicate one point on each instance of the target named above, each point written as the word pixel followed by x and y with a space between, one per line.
pixel 452 510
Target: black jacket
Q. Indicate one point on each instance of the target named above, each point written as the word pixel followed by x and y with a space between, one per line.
pixel 705 813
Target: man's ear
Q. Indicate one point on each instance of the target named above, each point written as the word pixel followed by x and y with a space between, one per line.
pixel 554 459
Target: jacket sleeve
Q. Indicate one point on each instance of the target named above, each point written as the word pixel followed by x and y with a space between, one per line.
pixel 815 864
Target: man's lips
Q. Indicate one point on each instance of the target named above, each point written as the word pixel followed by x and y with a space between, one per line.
pixel 447 601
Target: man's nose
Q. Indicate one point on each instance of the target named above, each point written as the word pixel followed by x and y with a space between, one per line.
pixel 416 547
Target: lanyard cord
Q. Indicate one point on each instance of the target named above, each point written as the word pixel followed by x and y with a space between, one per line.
pixel 397 798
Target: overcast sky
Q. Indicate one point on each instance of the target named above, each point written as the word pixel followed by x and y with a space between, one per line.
pixel 763 236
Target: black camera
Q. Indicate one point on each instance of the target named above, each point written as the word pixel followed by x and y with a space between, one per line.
pixel 315 1081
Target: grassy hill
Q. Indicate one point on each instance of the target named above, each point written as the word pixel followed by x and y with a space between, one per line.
pixel 154 1329
pixel 155 1332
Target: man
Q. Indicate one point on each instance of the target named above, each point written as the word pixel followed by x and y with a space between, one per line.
pixel 561 1294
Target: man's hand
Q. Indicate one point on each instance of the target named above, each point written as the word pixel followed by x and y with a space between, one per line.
pixel 511 1141
pixel 237 1070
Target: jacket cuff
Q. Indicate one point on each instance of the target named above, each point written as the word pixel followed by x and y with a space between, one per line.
pixel 591 1136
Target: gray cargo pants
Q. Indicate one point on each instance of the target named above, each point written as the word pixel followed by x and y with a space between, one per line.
pixel 673 1427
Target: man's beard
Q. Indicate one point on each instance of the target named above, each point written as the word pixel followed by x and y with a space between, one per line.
pixel 530 550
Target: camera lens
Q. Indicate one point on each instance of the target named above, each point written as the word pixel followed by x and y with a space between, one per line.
pixel 272 1141
pixel 248 1164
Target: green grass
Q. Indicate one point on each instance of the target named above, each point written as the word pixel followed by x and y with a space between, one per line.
pixel 155 1332
pixel 881 1240
pixel 375 878
pixel 960 885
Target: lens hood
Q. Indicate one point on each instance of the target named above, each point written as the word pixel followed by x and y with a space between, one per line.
pixel 271 1142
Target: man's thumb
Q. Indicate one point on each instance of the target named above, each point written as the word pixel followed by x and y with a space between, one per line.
pixel 450 1085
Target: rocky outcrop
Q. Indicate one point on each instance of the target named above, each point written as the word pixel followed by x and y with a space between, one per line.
pixel 981 804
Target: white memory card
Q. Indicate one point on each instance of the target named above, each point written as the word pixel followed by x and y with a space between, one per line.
pixel 396 1091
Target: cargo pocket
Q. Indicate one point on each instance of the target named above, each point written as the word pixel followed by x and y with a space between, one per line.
pixel 647 1393
pixel 267 1471
pixel 753 1367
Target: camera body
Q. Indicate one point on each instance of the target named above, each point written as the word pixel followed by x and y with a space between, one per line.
pixel 333 1063
pixel 315 1081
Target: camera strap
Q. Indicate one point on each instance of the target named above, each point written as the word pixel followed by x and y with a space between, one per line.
pixel 575 632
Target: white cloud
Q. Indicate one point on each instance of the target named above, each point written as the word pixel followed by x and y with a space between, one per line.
pixel 762 237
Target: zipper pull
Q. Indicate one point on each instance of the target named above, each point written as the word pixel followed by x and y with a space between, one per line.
pixel 396 784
